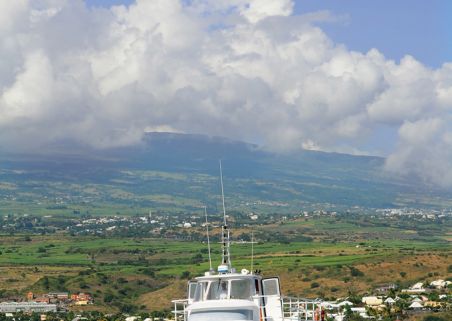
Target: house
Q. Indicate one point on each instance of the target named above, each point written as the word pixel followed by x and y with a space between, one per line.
pixel 361 311
pixel 62 296
pixel 386 288
pixel 13 307
pixel 418 286
pixel 338 317
pixel 42 299
pixel 328 305
pixel 372 300
pixel 440 284
pixel 416 306
pixel 254 217
pixel 390 301
pixel 344 303
pixel 432 304
pixel 81 297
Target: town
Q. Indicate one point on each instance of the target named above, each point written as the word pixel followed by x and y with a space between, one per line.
pixel 168 224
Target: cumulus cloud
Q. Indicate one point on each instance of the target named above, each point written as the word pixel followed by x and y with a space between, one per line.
pixel 425 150
pixel 246 69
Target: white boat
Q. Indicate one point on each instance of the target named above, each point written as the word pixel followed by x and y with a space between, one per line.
pixel 228 295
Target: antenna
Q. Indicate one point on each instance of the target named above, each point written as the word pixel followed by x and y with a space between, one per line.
pixel 222 193
pixel 252 251
pixel 225 235
pixel 208 239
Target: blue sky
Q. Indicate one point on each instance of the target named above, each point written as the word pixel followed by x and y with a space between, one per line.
pixel 420 28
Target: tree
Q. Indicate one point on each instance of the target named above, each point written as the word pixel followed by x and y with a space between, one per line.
pixel 355 272
pixel 185 275
pixel 46 283
pixel 433 318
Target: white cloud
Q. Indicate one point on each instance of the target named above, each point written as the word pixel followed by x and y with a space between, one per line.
pixel 247 69
pixel 425 150
pixel 256 10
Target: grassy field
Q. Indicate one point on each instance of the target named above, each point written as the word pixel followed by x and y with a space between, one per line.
pixel 147 273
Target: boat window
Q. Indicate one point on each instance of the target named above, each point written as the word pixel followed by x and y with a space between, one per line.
pixel 191 290
pixel 241 289
pixel 227 315
pixel 271 286
pixel 201 288
pixel 218 290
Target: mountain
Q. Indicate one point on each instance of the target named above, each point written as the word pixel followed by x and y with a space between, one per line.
pixel 178 172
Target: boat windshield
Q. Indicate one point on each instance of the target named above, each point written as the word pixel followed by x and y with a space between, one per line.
pixel 240 289
pixel 218 290
pixel 200 291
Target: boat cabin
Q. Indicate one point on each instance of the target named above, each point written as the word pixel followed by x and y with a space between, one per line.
pixel 233 296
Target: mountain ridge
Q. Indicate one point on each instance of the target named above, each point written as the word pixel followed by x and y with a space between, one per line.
pixel 251 173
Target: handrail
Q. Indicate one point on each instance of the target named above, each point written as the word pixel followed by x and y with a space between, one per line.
pixel 293 308
pixel 180 315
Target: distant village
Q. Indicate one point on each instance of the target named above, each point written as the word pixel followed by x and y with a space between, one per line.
pixel 48 302
pixel 165 224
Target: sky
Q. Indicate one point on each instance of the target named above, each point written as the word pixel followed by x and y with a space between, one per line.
pixel 397 28
pixel 351 76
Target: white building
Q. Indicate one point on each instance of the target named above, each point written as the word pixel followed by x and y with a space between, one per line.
pixel 440 284
pixel 371 300
pixel 418 286
pixel 13 307
pixel 344 303
pixel 416 306
pixel 390 301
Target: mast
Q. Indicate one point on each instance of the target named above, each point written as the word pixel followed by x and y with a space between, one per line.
pixel 252 251
pixel 225 235
pixel 208 239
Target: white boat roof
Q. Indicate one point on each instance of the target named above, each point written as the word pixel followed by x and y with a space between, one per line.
pixel 227 276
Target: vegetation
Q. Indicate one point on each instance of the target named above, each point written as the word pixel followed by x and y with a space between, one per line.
pixel 132 274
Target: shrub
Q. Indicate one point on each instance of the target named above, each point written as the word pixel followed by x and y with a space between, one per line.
pixel 355 272
pixel 185 275
pixel 433 318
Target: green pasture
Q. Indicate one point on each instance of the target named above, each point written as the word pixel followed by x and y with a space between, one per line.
pixel 172 257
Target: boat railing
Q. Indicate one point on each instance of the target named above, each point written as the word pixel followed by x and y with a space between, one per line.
pixel 293 308
pixel 300 309
pixel 180 310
